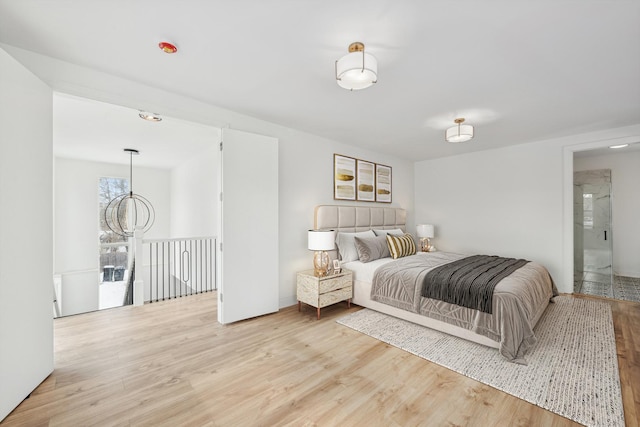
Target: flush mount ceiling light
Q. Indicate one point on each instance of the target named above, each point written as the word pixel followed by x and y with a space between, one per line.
pixel 357 69
pixel 167 47
pixel 619 146
pixel 150 117
pixel 460 132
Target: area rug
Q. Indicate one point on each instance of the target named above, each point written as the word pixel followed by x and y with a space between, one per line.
pixel 572 370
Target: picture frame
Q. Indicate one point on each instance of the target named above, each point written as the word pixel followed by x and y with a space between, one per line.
pixel 344 177
pixel 365 181
pixel 383 184
pixel 336 266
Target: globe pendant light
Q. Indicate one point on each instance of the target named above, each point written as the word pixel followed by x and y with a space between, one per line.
pixel 128 211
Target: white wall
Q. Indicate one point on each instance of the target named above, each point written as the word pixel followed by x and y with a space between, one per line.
pixel 26 232
pixel 77 223
pixel 194 194
pixel 625 183
pixel 511 201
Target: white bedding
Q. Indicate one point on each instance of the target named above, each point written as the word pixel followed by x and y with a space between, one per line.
pixel 363 277
pixel 364 271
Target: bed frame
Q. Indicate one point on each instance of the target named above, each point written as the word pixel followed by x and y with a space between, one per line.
pixel 362 218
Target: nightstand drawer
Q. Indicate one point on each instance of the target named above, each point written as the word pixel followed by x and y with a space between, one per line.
pixel 335 296
pixel 339 282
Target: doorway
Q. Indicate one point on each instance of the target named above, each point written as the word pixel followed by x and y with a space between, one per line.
pixel 176 172
pixel 620 159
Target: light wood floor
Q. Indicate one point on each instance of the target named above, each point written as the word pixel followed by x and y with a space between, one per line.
pixel 171 363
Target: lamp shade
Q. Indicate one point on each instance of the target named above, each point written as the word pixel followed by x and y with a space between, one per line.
pixel 459 132
pixel 357 69
pixel 321 240
pixel 425 230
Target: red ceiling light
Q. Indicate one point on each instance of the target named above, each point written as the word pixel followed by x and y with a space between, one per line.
pixel 167 47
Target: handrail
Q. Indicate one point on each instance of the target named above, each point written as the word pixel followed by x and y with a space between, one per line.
pixel 175 239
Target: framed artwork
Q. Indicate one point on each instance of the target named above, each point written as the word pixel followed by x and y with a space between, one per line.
pixel 365 181
pixel 336 266
pixel 383 183
pixel 344 177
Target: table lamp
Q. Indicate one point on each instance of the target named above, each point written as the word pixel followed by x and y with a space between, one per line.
pixel 425 232
pixel 321 241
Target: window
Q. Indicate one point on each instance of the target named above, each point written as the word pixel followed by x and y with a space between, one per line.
pixel 114 249
pixel 109 188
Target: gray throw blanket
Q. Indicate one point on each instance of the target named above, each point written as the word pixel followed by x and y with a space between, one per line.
pixel 469 282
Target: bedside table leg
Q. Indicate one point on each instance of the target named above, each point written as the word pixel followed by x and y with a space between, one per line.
pixel 299 304
pixel 349 303
pixel 318 313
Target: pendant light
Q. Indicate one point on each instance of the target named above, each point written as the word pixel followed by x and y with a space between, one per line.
pixel 129 210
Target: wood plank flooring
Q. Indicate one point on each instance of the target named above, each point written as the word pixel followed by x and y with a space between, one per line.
pixel 172 364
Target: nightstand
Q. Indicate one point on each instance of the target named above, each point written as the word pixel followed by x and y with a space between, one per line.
pixel 323 291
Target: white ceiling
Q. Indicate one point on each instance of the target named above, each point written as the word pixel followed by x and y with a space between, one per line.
pixel 97 131
pixel 519 71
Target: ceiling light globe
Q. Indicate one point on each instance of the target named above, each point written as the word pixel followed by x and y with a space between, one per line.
pixel 356 71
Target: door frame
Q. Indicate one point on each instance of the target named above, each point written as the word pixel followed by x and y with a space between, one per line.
pixel 567 202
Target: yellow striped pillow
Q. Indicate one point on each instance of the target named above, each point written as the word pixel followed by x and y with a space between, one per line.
pixel 400 246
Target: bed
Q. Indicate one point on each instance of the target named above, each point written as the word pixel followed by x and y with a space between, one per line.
pixel 518 299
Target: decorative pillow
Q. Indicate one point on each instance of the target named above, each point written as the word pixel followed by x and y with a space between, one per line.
pixel 371 248
pixel 400 246
pixel 347 247
pixel 394 232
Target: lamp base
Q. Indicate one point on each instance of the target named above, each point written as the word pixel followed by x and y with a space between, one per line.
pixel 425 244
pixel 320 263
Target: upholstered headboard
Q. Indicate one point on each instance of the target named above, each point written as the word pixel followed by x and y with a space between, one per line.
pixel 358 218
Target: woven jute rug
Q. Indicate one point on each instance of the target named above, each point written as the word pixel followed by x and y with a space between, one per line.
pixel 572 370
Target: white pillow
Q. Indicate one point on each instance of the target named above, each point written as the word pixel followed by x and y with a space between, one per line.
pixel 347 245
pixel 394 232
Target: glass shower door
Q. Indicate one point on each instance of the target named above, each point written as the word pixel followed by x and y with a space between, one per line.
pixel 597 271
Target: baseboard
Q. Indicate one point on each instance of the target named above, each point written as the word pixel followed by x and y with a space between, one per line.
pixel 288 301
pixel 634 274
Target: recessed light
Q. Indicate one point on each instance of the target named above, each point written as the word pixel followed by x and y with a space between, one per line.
pixel 619 146
pixel 167 47
pixel 151 117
